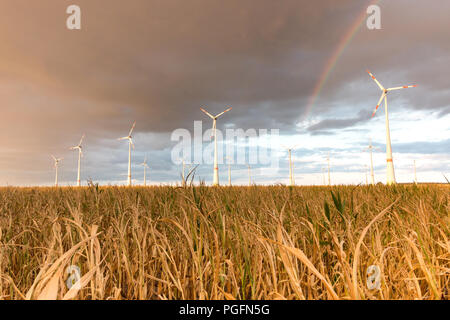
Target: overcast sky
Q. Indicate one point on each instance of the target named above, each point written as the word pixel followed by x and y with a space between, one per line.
pixel 159 61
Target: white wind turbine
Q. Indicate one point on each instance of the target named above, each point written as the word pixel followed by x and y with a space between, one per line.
pixel 249 176
pixel 390 163
pixel 214 133
pixel 145 165
pixel 130 145
pixel 79 147
pixel 291 166
pixel 57 161
pixel 372 174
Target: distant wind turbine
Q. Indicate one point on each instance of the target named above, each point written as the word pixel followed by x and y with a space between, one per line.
pixel 145 165
pixel 130 145
pixel 372 174
pixel 249 176
pixel 390 162
pixel 79 147
pixel 291 166
pixel 214 134
pixel 57 161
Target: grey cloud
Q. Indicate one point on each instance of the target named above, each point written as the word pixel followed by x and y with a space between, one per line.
pixel 330 124
pixel 157 62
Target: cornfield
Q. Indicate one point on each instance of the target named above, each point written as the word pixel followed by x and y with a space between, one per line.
pixel 199 242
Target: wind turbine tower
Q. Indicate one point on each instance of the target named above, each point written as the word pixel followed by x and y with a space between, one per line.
pixel 145 165
pixel 390 162
pixel 130 145
pixel 372 174
pixel 214 134
pixel 79 147
pixel 291 166
pixel 57 161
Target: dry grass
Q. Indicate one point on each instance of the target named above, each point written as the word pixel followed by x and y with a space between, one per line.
pixel 225 243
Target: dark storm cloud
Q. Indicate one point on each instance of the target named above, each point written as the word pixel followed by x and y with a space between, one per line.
pixel 158 61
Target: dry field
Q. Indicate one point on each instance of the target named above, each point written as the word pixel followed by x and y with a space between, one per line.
pixel 225 243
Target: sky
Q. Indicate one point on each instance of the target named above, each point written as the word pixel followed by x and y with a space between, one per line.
pixel 292 65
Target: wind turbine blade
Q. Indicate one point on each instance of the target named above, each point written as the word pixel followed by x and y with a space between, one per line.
pixel 403 87
pixel 123 138
pixel 132 144
pixel 207 113
pixel 379 84
pixel 132 128
pixel 378 105
pixel 54 158
pixel 223 112
pixel 81 141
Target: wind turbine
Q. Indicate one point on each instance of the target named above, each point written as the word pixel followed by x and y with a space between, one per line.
pixel 291 166
pixel 249 176
pixel 372 174
pixel 79 147
pixel 214 133
pixel 390 163
pixel 145 165
pixel 57 161
pixel 130 145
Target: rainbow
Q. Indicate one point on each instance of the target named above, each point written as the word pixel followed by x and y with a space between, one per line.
pixel 331 63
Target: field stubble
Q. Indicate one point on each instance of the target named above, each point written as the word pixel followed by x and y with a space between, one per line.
pixel 225 243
